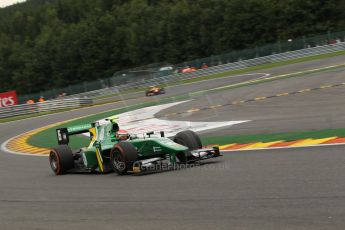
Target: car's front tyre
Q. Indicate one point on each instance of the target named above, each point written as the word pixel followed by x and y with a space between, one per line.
pixel 189 139
pixel 122 156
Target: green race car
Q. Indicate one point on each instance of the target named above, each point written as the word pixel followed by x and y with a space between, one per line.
pixel 107 152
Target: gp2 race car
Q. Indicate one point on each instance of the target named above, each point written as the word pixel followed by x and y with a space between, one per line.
pixel 155 90
pixel 107 153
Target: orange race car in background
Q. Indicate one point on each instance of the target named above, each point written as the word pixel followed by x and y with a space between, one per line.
pixel 154 90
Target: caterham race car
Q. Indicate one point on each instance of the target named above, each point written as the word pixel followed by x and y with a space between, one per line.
pixel 109 150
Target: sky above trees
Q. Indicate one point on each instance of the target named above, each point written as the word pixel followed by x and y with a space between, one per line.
pixel 4 3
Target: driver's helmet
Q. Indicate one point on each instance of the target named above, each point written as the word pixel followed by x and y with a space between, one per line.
pixel 122 135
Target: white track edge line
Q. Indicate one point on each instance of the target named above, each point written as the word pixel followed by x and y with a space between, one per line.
pixel 5 149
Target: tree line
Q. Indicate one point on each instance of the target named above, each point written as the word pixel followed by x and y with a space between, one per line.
pixel 53 43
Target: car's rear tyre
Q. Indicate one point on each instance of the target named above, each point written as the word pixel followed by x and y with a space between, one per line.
pixel 61 159
pixel 189 139
pixel 122 157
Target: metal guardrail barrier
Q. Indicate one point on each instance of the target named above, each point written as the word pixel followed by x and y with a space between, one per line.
pixel 47 106
pixel 217 69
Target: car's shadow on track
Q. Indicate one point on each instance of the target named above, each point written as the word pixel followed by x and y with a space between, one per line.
pixel 198 166
pixel 178 167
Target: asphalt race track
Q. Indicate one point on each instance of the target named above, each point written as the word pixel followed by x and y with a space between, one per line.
pixel 297 188
pixel 275 189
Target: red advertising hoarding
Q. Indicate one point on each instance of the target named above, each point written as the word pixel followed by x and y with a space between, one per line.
pixel 8 99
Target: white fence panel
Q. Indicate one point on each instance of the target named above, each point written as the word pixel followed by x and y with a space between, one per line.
pixel 47 106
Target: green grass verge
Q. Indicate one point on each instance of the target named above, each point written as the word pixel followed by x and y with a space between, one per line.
pixel 80 141
pixel 268 137
pixel 270 65
pixel 254 82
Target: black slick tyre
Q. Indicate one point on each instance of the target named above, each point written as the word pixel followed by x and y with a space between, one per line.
pixel 61 159
pixel 122 157
pixel 189 139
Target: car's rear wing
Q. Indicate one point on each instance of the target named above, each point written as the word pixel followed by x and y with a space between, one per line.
pixel 64 133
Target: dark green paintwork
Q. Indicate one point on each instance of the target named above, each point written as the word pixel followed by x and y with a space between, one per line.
pixel 106 139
